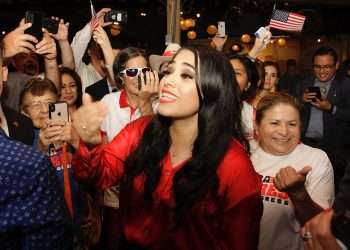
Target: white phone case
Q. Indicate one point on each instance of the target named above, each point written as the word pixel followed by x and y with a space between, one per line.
pixel 221 29
pixel 59 111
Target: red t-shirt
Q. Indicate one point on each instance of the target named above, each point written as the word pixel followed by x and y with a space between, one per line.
pixel 231 221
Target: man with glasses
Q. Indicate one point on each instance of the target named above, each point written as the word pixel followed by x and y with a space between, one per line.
pixel 326 106
pixel 326 114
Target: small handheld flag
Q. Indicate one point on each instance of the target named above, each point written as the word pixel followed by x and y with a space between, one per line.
pixel 289 21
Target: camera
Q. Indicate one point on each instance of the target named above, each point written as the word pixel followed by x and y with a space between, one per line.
pixel 116 16
pixel 38 22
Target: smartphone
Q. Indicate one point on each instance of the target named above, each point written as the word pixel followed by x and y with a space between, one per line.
pixel 50 24
pixel 36 19
pixel 260 32
pixel 144 78
pixel 116 16
pixel 221 29
pixel 58 111
pixel 315 89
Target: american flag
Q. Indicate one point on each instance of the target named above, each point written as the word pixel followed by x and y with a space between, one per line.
pixel 289 21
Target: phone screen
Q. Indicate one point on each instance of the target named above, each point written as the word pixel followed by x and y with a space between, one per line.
pixel 316 90
pixel 221 29
pixel 51 25
pixel 59 111
pixel 36 19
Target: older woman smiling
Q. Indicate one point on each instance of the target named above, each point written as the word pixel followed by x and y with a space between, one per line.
pixel 297 179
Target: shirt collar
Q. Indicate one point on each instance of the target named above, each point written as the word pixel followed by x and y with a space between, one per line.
pixel 123 102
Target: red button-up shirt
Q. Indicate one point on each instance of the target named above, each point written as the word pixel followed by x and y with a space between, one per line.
pixel 230 221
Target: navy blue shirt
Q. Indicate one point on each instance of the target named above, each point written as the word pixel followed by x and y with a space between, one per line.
pixel 32 209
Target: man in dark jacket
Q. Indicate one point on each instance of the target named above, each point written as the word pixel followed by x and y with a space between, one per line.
pixel 326 118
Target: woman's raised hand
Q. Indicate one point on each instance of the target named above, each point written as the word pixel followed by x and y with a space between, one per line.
pixel 87 121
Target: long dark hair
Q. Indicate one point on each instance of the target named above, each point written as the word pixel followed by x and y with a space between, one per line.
pixel 77 80
pixel 272 64
pixel 219 121
pixel 252 74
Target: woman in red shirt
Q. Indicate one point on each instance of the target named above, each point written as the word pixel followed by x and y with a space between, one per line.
pixel 186 179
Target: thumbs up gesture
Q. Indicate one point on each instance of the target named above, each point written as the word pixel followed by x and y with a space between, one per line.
pixel 87 121
pixel 289 180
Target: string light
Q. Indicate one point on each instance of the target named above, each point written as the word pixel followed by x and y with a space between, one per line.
pixel 198 15
pixel 143 14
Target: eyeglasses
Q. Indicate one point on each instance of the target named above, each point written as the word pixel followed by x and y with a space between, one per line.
pixel 39 104
pixel 132 72
pixel 326 67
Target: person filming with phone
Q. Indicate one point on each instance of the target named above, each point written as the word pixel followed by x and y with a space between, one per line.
pixel 54 137
pixel 326 104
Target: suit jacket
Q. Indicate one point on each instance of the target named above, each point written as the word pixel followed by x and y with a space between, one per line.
pixel 336 127
pixel 341 226
pixel 98 90
pixel 20 127
pixel 33 213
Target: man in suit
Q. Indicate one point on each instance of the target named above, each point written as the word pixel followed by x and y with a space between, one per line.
pixel 32 209
pixel 326 119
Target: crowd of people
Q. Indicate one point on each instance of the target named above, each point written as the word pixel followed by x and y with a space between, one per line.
pixel 197 148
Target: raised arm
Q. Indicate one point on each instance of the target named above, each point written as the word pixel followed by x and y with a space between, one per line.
pixel 62 39
pixel 260 43
pixel 307 203
pixel 47 48
pixel 17 41
pixel 101 38
pixel 82 38
pixel 96 162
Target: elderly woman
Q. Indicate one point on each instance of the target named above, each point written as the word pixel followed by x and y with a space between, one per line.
pixel 297 179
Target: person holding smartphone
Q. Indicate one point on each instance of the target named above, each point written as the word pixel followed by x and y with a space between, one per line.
pixel 33 214
pixel 326 109
pixel 54 137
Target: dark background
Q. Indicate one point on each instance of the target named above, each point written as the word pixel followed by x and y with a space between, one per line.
pixel 324 17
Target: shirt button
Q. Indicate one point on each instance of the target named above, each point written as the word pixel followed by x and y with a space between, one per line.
pixel 167 173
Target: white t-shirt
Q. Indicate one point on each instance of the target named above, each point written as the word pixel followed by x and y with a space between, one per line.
pixel 247 114
pixel 279 228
